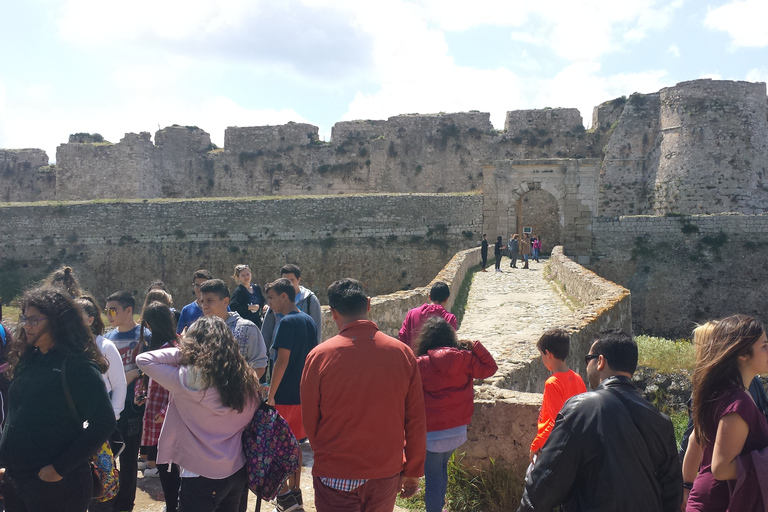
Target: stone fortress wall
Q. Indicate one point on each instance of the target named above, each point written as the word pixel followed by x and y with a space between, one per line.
pixel 699 147
pixel 389 242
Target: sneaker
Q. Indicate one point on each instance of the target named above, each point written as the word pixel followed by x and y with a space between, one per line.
pixel 297 495
pixel 150 472
pixel 287 502
pixel 142 465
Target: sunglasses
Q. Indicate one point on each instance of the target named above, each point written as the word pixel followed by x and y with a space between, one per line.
pixel 31 320
pixel 110 311
pixel 590 357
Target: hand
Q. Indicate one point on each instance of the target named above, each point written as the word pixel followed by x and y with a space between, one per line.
pixel 409 486
pixel 271 401
pixel 48 474
pixel 684 504
pixel 140 399
pixel 159 418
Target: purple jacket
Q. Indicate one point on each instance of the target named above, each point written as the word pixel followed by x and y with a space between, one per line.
pixel 199 433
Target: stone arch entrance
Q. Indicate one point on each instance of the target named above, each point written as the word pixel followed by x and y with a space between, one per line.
pixel 565 186
pixel 539 210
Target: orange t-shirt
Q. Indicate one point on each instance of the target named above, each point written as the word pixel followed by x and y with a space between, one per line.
pixel 557 389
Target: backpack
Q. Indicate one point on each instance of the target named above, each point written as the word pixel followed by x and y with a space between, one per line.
pixel 271 452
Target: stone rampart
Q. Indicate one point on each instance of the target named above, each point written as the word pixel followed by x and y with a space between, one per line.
pixel 25 175
pixel 389 242
pixel 269 138
pixel 549 119
pixel 684 270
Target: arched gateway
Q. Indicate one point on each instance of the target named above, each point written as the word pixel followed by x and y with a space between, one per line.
pixel 533 193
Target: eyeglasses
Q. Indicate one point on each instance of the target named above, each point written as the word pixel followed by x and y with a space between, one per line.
pixel 240 268
pixel 110 311
pixel 590 357
pixel 31 320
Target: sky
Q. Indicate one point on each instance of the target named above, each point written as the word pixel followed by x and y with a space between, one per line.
pixel 112 67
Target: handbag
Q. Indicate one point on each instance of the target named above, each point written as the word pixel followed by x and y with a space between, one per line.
pixel 106 477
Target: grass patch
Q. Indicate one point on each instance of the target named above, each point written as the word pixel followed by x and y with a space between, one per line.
pixel 664 355
pixel 680 422
pixel 494 489
pixel 460 303
pixel 415 502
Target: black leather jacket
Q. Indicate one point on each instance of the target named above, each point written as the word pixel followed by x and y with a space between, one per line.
pixel 610 451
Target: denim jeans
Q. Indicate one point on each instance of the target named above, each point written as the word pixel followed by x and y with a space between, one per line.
pixel 436 480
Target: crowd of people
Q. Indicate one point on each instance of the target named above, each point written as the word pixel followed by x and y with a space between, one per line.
pixel 525 249
pixel 172 391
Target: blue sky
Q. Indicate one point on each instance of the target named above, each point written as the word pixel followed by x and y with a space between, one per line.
pixel 113 67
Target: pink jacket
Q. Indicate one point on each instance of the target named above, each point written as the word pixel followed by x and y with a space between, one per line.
pixel 199 433
pixel 416 317
pixel 447 375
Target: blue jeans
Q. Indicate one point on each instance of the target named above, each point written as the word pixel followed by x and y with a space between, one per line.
pixel 436 480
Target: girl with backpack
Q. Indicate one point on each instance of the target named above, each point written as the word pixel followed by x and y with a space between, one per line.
pixel 215 394
pixel 447 374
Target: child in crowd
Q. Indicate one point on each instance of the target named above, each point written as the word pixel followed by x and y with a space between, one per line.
pixel 564 383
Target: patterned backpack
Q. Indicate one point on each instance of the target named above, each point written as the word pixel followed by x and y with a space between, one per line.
pixel 271 452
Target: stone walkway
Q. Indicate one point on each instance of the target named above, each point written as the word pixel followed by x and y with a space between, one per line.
pixel 508 311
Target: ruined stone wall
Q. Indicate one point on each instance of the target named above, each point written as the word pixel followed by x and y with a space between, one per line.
pixel 685 270
pixel 25 175
pixel 698 147
pixel 715 147
pixel 389 242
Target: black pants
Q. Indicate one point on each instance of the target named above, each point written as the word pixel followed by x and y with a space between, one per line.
pixel 485 259
pixel 70 494
pixel 498 261
pixel 513 257
pixel 170 481
pixel 130 429
pixel 202 494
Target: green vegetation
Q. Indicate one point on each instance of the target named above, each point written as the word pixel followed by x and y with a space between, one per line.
pixel 460 302
pixel 494 489
pixel 665 355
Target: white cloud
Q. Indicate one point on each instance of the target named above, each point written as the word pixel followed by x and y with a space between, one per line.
pixel 574 29
pixel 47 129
pixel 757 75
pixel 712 76
pixel 743 20
pixel 290 36
pixel 674 50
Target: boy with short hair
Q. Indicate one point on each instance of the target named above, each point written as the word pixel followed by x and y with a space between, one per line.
pixel 295 337
pixel 564 383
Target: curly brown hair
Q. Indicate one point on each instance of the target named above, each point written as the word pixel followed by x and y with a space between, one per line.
pixel 67 327
pixel 210 347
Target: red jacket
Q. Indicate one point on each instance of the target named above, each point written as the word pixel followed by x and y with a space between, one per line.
pixel 447 375
pixel 416 317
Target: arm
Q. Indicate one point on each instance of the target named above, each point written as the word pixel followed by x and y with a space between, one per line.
pixel 317 315
pixel 483 364
pixel 554 474
pixel 550 407
pixel 691 464
pixel 415 428
pixel 283 355
pixel 92 404
pixel 116 376
pixel 257 351
pixel 731 435
pixel 268 328
pixel 239 301
pixel 163 366
pixel 310 398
